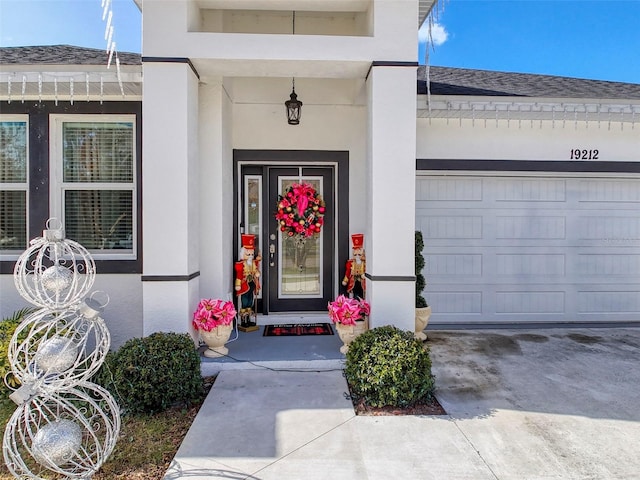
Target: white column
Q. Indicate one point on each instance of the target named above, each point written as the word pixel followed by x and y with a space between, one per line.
pixel 216 191
pixel 391 160
pixel 170 197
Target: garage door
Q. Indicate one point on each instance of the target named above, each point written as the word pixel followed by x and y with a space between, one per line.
pixel 530 248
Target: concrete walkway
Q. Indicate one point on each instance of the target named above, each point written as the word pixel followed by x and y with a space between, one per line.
pixel 521 404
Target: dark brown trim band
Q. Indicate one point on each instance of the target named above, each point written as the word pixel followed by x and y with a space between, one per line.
pixel 385 63
pixel 170 278
pixel 172 60
pixel 528 166
pixel 390 278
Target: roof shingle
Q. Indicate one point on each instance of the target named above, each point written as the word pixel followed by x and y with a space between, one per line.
pixel 62 55
pixel 463 81
pixel 443 80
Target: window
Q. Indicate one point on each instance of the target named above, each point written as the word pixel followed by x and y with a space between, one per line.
pixel 94 191
pixel 13 183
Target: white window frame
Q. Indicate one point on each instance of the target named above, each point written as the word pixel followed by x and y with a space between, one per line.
pixel 57 186
pixel 9 255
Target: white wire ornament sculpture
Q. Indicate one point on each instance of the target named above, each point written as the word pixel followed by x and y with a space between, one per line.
pixel 54 272
pixel 64 423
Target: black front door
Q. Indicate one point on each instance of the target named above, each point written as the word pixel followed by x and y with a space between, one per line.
pixel 296 274
pixel 300 270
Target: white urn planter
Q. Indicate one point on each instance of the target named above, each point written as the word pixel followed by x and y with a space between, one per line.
pixel 422 320
pixel 348 333
pixel 215 340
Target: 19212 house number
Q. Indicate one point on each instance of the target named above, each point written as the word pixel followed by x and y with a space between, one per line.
pixel 583 154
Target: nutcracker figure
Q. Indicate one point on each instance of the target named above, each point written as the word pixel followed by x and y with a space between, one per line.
pixel 354 272
pixel 247 283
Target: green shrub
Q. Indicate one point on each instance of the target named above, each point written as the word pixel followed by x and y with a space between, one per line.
pixel 7 329
pixel 386 366
pixel 151 374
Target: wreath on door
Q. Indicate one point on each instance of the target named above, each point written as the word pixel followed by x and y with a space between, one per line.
pixel 300 211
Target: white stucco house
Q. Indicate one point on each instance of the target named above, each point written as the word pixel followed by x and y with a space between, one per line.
pixel 526 187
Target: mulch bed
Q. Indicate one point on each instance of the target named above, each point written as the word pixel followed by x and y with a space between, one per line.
pixel 426 407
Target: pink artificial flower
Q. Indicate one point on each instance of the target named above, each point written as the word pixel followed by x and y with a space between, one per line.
pixel 211 313
pixel 225 312
pixel 345 310
pixel 365 308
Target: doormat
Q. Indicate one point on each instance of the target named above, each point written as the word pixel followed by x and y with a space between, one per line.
pixel 297 329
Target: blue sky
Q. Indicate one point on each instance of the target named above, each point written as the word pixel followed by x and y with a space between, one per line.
pixel 598 39
pixel 68 22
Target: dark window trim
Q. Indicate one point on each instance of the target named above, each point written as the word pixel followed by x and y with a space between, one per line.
pixel 528 166
pixel 39 177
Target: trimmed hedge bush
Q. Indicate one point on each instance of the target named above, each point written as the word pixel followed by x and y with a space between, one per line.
pixel 151 374
pixel 386 366
pixel 421 282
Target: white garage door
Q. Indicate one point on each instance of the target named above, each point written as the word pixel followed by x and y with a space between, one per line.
pixel 530 248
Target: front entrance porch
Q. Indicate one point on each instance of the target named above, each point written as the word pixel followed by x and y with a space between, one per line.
pixel 252 350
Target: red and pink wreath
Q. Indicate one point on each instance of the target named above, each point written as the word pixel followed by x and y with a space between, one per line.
pixel 300 211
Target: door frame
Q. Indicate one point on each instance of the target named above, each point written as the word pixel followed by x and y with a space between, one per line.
pixel 338 160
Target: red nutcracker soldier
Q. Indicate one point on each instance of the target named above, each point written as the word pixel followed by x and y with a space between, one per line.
pixel 247 284
pixel 356 266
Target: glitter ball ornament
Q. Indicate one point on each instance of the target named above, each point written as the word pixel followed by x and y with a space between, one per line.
pixel 57 443
pixel 56 278
pixel 56 354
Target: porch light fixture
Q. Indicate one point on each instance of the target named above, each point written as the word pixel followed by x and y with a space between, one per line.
pixel 294 106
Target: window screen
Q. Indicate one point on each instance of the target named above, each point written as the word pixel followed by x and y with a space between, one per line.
pixel 98 184
pixel 13 185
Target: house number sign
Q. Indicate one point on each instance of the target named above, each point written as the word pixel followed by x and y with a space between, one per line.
pixel 583 154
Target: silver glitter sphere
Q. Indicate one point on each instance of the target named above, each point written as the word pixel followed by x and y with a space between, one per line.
pixel 56 278
pixel 56 354
pixel 56 443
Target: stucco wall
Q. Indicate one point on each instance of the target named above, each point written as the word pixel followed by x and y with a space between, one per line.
pixel 171 29
pixel 439 139
pixel 123 313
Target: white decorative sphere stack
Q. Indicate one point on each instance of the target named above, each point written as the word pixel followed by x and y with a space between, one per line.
pixel 64 423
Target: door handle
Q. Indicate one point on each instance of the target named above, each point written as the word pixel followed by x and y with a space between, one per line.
pixel 272 252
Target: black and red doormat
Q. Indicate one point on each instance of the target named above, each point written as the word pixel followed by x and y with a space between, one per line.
pixel 297 329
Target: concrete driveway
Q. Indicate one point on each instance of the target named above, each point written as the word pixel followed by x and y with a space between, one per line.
pixel 559 404
pixel 544 404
